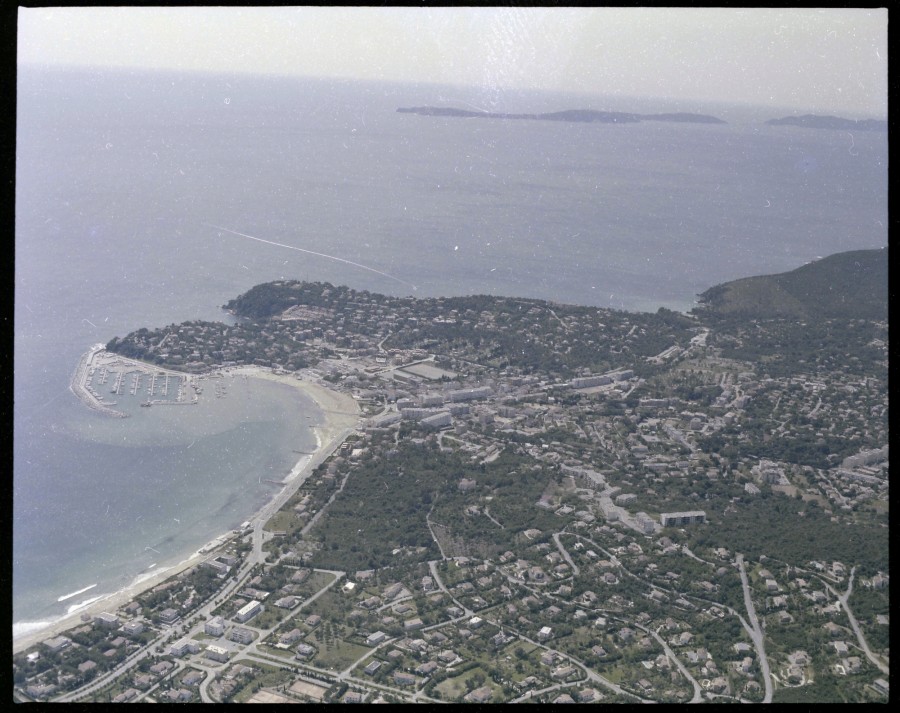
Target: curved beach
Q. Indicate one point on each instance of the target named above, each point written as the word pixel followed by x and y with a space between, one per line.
pixel 341 415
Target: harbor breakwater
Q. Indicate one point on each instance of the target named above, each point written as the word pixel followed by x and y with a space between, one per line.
pixel 78 384
pixel 97 366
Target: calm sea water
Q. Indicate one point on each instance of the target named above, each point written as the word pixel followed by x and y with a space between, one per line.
pixel 120 175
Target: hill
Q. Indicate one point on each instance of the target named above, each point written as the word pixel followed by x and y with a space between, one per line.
pixel 850 285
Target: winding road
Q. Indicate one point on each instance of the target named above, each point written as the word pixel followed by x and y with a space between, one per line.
pixel 844 599
pixel 755 630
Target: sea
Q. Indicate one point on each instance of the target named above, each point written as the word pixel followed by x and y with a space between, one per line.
pixel 139 195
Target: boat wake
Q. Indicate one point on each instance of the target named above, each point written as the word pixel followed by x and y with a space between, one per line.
pixel 313 252
pixel 75 594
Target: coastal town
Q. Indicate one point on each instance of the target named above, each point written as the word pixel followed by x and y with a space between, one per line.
pixel 520 501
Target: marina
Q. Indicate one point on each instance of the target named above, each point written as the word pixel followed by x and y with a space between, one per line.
pixel 102 365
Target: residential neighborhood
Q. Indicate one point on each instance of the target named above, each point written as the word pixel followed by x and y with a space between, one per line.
pixel 626 512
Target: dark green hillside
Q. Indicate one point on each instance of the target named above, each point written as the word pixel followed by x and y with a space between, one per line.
pixel 272 298
pixel 850 285
pixel 772 526
pixel 384 507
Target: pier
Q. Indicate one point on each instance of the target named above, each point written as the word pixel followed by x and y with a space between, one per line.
pixel 169 402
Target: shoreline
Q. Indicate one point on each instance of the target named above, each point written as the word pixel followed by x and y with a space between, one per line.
pixel 341 412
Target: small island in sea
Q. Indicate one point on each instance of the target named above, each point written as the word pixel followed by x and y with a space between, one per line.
pixel 576 115
pixel 543 502
pixel 815 121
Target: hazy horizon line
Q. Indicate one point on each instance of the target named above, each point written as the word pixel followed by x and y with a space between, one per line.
pixel 520 92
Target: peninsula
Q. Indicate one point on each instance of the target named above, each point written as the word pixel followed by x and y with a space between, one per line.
pixel 542 503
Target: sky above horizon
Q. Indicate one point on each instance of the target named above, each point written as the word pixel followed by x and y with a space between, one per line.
pixel 824 60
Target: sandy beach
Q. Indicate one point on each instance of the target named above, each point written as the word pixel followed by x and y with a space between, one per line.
pixel 341 414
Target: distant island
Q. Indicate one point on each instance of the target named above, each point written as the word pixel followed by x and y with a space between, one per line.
pixel 577 115
pixel 815 121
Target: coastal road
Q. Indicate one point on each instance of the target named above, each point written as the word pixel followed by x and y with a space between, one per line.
pixel 256 557
pixel 755 630
pixel 291 487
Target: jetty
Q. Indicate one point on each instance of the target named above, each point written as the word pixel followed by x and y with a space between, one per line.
pixel 170 402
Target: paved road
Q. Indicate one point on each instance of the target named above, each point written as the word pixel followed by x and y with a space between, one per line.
pixel 103 680
pixel 487 514
pixel 698 691
pixel 204 684
pixel 432 566
pixel 431 530
pixel 290 488
pixel 844 599
pixel 755 631
pixel 589 675
pixel 562 550
pixel 684 548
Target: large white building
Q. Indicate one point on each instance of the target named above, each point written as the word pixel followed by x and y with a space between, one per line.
pixel 110 621
pixel 216 653
pixel 481 392
pixel 215 626
pixel 866 458
pixel 248 611
pixel 241 634
pixel 674 519
pixel 438 420
pixel 133 627
pixel 184 646
pixel 585 382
